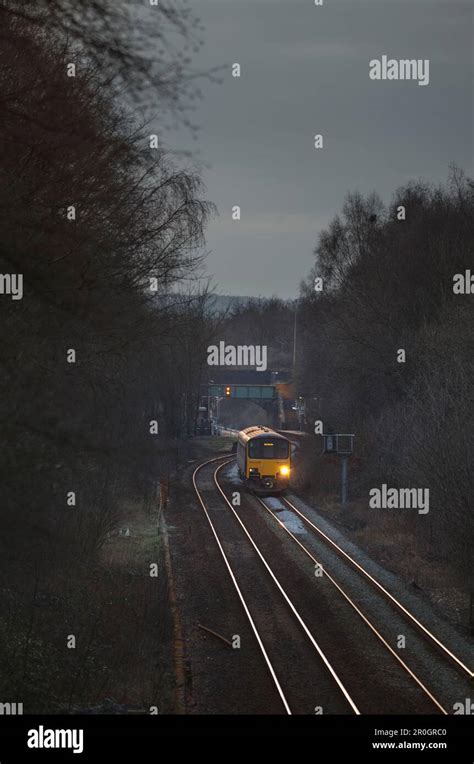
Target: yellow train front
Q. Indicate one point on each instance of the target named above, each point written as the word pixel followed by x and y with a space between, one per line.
pixel 264 459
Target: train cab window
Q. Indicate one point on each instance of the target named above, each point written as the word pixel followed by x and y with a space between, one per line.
pixel 268 449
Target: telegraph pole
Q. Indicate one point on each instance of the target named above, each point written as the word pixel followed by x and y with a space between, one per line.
pixel 343 480
pixel 294 339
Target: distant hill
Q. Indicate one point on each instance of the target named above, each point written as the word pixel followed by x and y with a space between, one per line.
pixel 216 303
pixel 220 303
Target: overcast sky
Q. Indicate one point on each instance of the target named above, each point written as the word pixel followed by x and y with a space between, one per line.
pixel 305 70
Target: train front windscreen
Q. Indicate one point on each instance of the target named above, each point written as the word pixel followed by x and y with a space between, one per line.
pixel 260 448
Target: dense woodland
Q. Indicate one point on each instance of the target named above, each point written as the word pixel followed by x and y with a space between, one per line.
pixel 387 279
pixel 390 284
pixel 101 358
pixel 103 228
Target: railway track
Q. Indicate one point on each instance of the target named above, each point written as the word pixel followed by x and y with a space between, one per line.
pixel 264 584
pixel 444 653
pixel 275 621
pixel 373 628
pixel 409 616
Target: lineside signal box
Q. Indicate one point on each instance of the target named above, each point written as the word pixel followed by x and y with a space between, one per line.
pixel 335 443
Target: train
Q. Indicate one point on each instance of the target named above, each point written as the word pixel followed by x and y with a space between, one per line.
pixel 264 460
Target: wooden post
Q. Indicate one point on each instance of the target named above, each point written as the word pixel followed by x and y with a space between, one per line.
pixel 164 491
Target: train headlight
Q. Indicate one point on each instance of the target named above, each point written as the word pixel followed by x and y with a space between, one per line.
pixel 284 470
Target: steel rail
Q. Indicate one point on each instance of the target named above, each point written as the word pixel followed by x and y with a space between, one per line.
pixel 237 588
pixel 357 610
pixel 406 613
pixel 287 599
